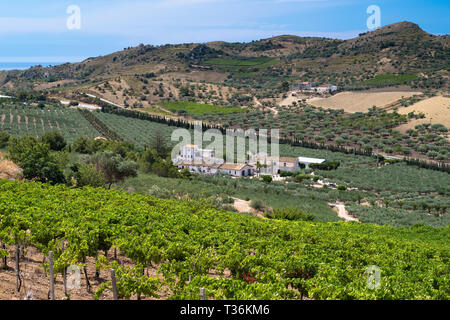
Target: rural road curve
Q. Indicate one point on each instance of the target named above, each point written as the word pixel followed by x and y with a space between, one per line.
pixel 343 213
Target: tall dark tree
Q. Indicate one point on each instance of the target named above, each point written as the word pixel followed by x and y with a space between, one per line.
pixel 159 144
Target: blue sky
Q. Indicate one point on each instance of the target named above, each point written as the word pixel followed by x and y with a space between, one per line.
pixel 33 30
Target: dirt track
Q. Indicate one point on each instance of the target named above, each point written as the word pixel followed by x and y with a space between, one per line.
pixel 342 212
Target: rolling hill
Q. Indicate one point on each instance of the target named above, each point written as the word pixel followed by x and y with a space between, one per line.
pixel 401 48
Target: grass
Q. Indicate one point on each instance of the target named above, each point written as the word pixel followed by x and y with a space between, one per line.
pixel 397 217
pixel 155 110
pixel 198 108
pixel 275 195
pixel 394 178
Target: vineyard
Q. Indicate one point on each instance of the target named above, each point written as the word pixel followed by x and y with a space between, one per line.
pixel 22 120
pixel 177 247
pixel 137 131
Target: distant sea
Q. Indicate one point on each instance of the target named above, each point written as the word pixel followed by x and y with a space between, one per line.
pixel 24 65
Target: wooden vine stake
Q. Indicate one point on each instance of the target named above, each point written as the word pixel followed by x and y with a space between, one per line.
pixel 52 278
pixel 88 284
pixel 5 259
pixel 114 284
pixel 64 272
pixel 18 280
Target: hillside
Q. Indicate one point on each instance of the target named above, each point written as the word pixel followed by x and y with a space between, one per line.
pixel 391 69
pixel 401 48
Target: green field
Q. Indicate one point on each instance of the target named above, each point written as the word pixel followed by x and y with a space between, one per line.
pixel 198 108
pixel 394 178
pixel 275 195
pixel 397 217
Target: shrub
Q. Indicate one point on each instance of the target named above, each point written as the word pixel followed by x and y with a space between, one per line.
pixel 257 205
pixel 86 146
pixel 300 177
pixel 290 213
pixel 113 167
pixel 330 165
pixel 4 139
pixel 87 175
pixel 55 140
pixel 36 160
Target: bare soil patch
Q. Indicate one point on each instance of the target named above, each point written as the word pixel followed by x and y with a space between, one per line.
pixel 8 169
pixel 360 101
pixel 436 110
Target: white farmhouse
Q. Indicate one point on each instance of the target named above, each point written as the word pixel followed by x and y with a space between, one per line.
pixel 274 165
pixel 232 169
pixel 332 88
pixel 199 167
pixel 237 169
pixel 193 153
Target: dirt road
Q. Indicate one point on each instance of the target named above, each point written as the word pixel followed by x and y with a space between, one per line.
pixel 242 205
pixel 342 212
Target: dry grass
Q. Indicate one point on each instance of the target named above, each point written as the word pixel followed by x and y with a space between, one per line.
pixel 360 101
pixel 436 110
pixel 291 99
pixel 8 169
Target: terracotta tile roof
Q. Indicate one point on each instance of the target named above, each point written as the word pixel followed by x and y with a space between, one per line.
pixel 287 159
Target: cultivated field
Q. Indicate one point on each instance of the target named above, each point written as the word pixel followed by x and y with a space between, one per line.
pixel 360 101
pixel 20 120
pixel 198 108
pixel 436 110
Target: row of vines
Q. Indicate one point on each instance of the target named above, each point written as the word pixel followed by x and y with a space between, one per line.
pixel 193 246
